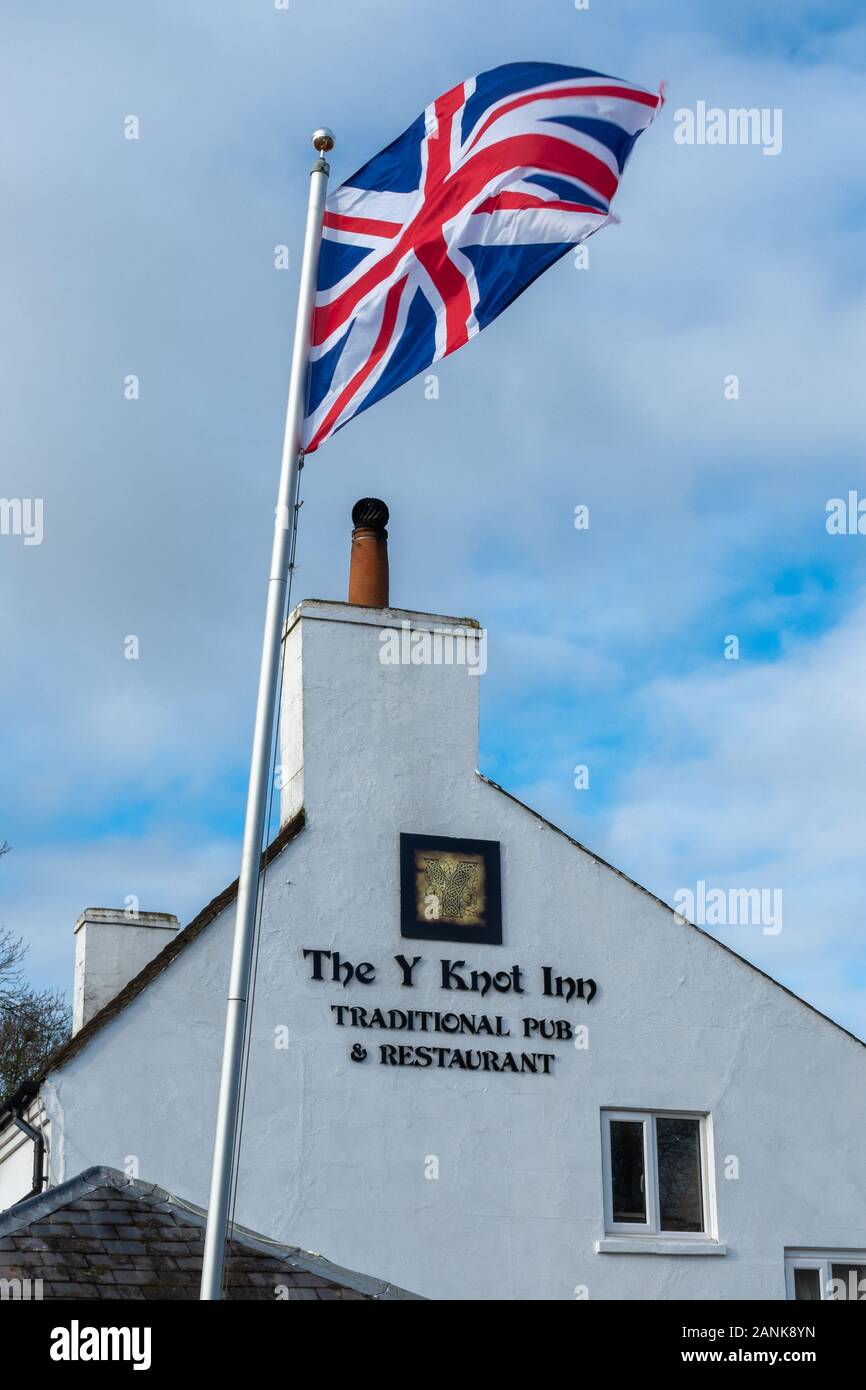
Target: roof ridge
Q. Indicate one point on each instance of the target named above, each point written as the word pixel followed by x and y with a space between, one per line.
pixel 164 958
pixel 34 1209
pixel 43 1203
pixel 661 902
pixel 288 832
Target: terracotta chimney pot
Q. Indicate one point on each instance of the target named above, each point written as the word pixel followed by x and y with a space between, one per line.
pixel 368 567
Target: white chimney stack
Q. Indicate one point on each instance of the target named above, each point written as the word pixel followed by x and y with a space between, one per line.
pixel 111 947
pixel 366 718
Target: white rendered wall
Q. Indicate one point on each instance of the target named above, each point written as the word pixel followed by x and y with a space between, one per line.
pixel 16 1157
pixel 335 1152
pixel 16 1166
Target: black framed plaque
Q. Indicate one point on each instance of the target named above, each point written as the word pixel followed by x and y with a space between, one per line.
pixel 450 889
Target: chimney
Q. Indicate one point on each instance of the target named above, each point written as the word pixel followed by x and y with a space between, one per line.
pixel 111 946
pixel 376 702
pixel 368 567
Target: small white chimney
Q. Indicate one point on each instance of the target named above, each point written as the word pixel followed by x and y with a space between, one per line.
pixel 111 947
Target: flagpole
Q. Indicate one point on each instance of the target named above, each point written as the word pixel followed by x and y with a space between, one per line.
pixel 263 735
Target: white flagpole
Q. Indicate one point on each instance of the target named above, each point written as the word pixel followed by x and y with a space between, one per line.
pixel 259 784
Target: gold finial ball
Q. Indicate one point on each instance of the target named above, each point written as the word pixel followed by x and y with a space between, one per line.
pixel 324 140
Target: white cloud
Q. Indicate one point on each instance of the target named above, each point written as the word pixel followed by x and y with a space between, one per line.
pixel 601 387
pixel 173 869
pixel 771 795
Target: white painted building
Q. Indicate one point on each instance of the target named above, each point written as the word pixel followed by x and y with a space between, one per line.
pixel 680 1127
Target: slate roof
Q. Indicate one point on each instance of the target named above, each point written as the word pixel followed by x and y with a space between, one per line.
pixel 103 1235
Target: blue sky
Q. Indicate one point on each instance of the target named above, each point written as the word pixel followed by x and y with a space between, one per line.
pixel 602 387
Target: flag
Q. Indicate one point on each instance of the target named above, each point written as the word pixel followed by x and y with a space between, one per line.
pixel 429 241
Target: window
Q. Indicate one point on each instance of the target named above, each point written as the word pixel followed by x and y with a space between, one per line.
pixel 820 1276
pixel 656 1173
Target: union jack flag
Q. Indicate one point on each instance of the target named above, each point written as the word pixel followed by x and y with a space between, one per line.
pixel 434 237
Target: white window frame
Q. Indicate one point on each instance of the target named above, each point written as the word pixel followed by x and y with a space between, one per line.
pixel 652 1226
pixel 823 1261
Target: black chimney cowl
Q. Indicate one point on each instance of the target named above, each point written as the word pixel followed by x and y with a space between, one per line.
pixel 371 514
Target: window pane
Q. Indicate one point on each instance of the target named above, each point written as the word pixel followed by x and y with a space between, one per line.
pixel 853 1278
pixel 627 1171
pixel 807 1285
pixel 679 1155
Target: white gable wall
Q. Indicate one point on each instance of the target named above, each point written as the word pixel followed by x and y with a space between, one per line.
pixel 335 1151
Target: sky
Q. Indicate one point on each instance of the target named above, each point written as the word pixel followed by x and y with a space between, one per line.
pixel 601 387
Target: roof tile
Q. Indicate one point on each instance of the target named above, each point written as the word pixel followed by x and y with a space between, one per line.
pixel 106 1236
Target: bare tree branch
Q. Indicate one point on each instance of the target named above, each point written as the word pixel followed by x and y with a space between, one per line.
pixel 32 1022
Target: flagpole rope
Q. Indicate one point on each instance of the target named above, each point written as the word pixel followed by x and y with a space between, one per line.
pixel 260 891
